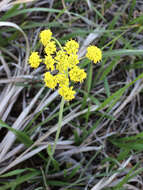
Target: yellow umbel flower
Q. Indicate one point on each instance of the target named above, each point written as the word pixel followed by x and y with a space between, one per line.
pixel 50 80
pixel 49 62
pixel 62 80
pixel 71 47
pixel 94 54
pixel 45 36
pixel 67 92
pixel 62 61
pixel 60 55
pixel 34 60
pixel 77 74
pixel 50 48
pixel 73 60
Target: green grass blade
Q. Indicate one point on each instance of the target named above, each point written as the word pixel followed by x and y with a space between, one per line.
pixel 14 172
pixel 29 10
pixel 21 136
pixel 118 94
pixel 122 52
pixel 20 180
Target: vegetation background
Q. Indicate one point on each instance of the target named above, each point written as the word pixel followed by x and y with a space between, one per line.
pixel 101 142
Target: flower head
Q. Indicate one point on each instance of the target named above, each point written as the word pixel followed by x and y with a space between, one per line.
pixel 94 54
pixel 49 62
pixel 50 48
pixel 34 60
pixel 50 80
pixel 62 61
pixel 67 92
pixel 77 74
pixel 60 55
pixel 62 80
pixel 45 36
pixel 73 60
pixel 71 47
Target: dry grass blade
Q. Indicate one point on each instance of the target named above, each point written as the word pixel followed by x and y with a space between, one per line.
pixel 4 5
pixel 46 100
pixel 10 137
pixel 79 150
pixel 16 79
pixel 6 68
pixel 136 90
pixel 22 1
pixel 105 182
pixel 11 92
pixel 7 4
pixel 11 24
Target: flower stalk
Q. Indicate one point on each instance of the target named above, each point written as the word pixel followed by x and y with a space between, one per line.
pixel 62 67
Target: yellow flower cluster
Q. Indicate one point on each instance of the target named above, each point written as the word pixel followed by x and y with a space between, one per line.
pixel 62 65
pixel 45 37
pixel 94 54
pixel 34 60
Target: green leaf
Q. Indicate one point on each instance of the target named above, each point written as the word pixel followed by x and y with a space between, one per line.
pixel 21 136
pixel 74 172
pixel 57 183
pixel 9 12
pixel 124 153
pixel 54 162
pixel 106 86
pixel 132 173
pixel 136 65
pixel 19 180
pixel 12 173
pixel 122 52
pixel 109 68
pixel 116 95
pixel 138 20
pixel 30 10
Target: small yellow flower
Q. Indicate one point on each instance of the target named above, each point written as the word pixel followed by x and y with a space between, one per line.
pixel 49 62
pixel 45 36
pixel 71 47
pixel 94 54
pixel 60 55
pixel 73 60
pixel 50 48
pixel 50 80
pixel 77 74
pixel 62 61
pixel 34 60
pixel 62 80
pixel 67 93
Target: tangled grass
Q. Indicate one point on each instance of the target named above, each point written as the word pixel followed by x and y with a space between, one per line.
pixel 101 140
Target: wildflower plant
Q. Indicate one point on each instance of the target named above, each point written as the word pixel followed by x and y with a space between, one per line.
pixel 64 62
pixel 62 67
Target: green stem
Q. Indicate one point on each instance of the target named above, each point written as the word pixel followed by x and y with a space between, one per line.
pixel 57 43
pixel 57 133
pixel 59 124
